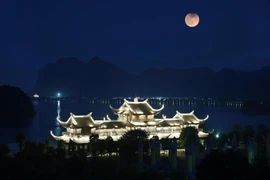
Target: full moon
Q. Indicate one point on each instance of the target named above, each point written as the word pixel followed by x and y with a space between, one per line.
pixel 192 19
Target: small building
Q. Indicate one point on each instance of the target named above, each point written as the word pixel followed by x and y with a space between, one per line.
pixel 131 115
pixel 36 96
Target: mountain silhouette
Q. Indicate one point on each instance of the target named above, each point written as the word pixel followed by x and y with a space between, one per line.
pixel 98 78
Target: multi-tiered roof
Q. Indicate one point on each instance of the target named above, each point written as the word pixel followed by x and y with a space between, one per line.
pixel 136 108
pixel 85 123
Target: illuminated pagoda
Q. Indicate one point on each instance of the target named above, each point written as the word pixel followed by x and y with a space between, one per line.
pixel 131 115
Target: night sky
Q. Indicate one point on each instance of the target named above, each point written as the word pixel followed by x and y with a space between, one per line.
pixel 134 35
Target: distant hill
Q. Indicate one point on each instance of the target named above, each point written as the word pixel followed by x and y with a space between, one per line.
pixel 16 108
pixel 99 78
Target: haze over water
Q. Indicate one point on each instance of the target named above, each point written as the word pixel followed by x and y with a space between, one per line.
pixel 220 118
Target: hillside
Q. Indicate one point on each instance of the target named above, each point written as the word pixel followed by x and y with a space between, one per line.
pixel 98 78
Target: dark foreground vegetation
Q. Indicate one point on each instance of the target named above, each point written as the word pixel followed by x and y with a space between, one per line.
pixel 107 159
pixel 227 162
pixel 100 159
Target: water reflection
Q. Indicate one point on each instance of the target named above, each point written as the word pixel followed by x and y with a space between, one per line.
pixel 58 109
pixel 166 101
pixel 58 131
pixel 58 112
pixel 223 114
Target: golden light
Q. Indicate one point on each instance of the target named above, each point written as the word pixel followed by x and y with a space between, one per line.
pixel 192 19
pixel 163 128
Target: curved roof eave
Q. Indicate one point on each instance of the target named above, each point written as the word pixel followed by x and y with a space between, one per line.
pixel 59 138
pixel 145 102
pixel 64 124
pixel 114 110
pixel 80 140
pixel 157 110
pixel 201 120
pixel 73 119
pixel 192 113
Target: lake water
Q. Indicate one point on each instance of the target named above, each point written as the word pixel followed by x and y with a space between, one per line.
pixel 220 118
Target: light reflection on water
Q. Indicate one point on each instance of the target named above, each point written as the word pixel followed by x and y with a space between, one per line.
pixel 58 108
pixel 220 118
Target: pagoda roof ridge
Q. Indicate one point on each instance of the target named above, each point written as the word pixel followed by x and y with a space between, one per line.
pixel 87 115
pixel 79 120
pixel 136 101
pixel 192 112
pixel 189 116
pixel 136 107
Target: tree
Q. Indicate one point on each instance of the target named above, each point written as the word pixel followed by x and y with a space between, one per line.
pixel 111 145
pixel 128 143
pixel 238 131
pixel 5 162
pixel 223 165
pixel 61 144
pixel 165 142
pixel 262 129
pixel 203 126
pixel 93 138
pixel 20 140
pixel 248 131
pixel 221 140
pixel 48 147
pixel 60 151
pixel 261 167
pixel 33 149
pixel 47 143
pixel 94 144
pixel 101 145
pixel 16 108
pixel 4 150
pixel 262 132
pixel 135 135
pixel 155 138
pixel 188 133
pixel 237 128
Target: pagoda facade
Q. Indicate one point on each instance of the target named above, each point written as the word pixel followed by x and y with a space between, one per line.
pixel 131 115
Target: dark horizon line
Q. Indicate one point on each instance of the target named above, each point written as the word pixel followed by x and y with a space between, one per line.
pixel 150 98
pixel 154 68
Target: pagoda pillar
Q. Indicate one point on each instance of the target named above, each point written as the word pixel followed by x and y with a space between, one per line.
pixel 209 145
pixel 157 151
pixel 153 152
pixel 255 146
pixel 189 149
pixel 234 143
pixel 170 152
pixel 225 147
pixel 198 152
pixel 140 152
pixel 69 146
pixel 268 145
pixel 250 150
pixel 174 154
pixel 194 156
